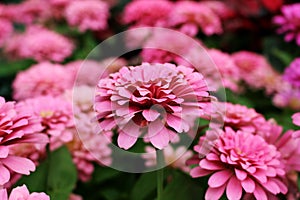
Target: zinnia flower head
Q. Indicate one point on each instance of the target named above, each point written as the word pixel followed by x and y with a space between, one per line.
pixel 56 117
pixel 287 96
pixel 189 16
pixel 87 15
pixel 241 162
pixel 42 44
pixel 153 101
pixel 147 13
pixel 22 193
pixel 292 73
pixel 42 79
pixel 289 22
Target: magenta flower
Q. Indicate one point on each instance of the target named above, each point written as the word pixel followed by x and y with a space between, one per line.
pixel 241 162
pixel 147 13
pixel 154 101
pixel 191 16
pixel 16 127
pixel 287 96
pixel 56 116
pixel 289 22
pixel 292 73
pixel 42 79
pixel 296 121
pixel 87 15
pixel 22 193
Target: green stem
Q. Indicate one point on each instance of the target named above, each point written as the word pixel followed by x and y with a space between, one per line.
pixel 160 173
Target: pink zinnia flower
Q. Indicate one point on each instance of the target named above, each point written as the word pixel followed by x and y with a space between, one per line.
pixel 241 162
pixel 56 116
pixel 292 73
pixel 154 101
pixel 287 96
pixel 173 157
pixel 147 13
pixel 289 22
pixel 87 15
pixel 22 193
pixel 42 44
pixel 189 16
pixel 42 79
pixel 16 126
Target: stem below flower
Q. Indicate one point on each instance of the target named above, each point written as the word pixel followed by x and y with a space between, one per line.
pixel 160 173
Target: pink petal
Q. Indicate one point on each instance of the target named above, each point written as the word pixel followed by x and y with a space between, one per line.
pixel 126 141
pixel 234 189
pixel 19 164
pixel 240 174
pixel 4 175
pixel 177 123
pixel 198 172
pixel 4 151
pixel 272 187
pixel 155 127
pixel 150 115
pixel 296 119
pixel 248 185
pixel 20 192
pixel 219 178
pixel 259 193
pixel 214 193
pixel 161 139
pixel 35 138
pixel 3 194
pixel 205 164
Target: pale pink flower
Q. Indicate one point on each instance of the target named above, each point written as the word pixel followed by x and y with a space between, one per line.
pixel 173 157
pixel 42 79
pixel 287 96
pixel 227 68
pixel 289 22
pixel 17 126
pixel 6 28
pixel 256 71
pixel 241 162
pixel 189 17
pixel 75 197
pixel 22 193
pixel 152 99
pixel 87 15
pixel 42 44
pixel 147 13
pixel 292 73
pixel 56 117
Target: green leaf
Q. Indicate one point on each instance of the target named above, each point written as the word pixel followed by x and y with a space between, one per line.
pixel 56 176
pixel 102 174
pixel 182 186
pixel 144 187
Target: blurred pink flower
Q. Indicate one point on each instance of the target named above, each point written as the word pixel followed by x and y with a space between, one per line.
pixel 289 22
pixel 16 127
pixel 292 73
pixel 22 193
pixel 296 121
pixel 256 71
pixel 147 13
pixel 56 117
pixel 75 197
pixel 42 79
pixel 40 44
pixel 241 162
pixel 153 101
pixel 87 15
pixel 287 96
pixel 189 16
pixel 174 157
pixel 6 28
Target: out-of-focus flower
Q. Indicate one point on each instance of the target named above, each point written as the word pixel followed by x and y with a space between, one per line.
pixel 174 157
pixel 56 116
pixel 40 44
pixel 75 197
pixel 58 6
pixel 22 193
pixel 296 121
pixel 287 96
pixel 147 13
pixel 189 16
pixel 150 101
pixel 42 79
pixel 289 22
pixel 241 162
pixel 292 73
pixel 256 71
pixel 87 15
pixel 6 28
pixel 17 126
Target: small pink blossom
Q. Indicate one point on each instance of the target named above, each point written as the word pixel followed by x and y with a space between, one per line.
pixel 287 96
pixel 174 157
pixel 241 162
pixel 152 99
pixel 147 13
pixel 42 79
pixel 22 193
pixel 189 16
pixel 289 22
pixel 87 15
pixel 56 117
